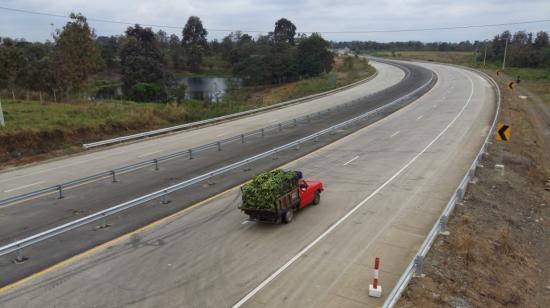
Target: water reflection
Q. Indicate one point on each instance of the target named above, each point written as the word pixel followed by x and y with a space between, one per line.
pixel 198 88
pixel 209 88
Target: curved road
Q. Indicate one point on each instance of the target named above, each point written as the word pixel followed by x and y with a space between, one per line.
pixel 20 220
pixel 31 178
pixel 385 187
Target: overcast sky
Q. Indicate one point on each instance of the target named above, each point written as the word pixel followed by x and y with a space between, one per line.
pixel 308 16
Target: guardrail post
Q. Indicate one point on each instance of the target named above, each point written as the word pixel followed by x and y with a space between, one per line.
pixel 190 153
pixel 472 172
pixel 308 119
pixel 113 173
pixel 164 199
pixel 219 144
pixel 280 127
pixel 297 147
pixel 443 225
pixel 242 138
pixel 319 114
pixel 156 161
pixel 418 265
pixel 19 257
pixel 459 194
pixel 316 139
pixel 295 122
pixel 104 223
pixel 60 189
pixel 263 132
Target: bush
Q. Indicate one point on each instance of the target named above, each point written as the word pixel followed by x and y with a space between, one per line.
pixel 146 92
pixel 179 93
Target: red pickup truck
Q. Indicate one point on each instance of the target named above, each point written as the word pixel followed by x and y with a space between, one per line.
pixel 301 194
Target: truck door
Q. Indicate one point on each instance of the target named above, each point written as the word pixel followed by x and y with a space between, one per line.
pixel 306 194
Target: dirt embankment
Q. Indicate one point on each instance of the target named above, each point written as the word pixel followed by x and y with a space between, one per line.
pixel 30 145
pixel 498 250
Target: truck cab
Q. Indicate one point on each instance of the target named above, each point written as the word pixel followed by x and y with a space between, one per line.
pixel 310 192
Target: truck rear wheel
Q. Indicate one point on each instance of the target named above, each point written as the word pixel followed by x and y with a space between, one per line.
pixel 287 216
pixel 317 198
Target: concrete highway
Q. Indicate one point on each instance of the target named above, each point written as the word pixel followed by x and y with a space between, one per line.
pixel 31 178
pixel 386 184
pixel 20 220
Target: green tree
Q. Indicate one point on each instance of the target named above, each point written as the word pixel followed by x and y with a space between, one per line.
pixel 541 40
pixel 176 52
pixel 194 33
pixel 284 32
pixel 146 92
pixel 142 60
pixel 109 49
pixel 314 56
pixel 36 73
pixel 12 62
pixel 194 42
pixel 76 54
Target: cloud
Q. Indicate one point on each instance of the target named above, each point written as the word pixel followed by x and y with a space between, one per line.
pixel 308 15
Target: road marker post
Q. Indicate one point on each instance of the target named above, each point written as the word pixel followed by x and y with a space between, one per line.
pixel 375 290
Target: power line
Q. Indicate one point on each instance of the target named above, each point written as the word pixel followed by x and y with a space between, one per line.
pixel 264 31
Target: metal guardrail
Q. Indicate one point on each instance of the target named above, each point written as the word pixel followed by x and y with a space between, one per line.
pixel 60 188
pixel 18 245
pixel 223 118
pixel 415 266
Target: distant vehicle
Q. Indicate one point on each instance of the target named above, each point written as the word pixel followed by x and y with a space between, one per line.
pixel 272 200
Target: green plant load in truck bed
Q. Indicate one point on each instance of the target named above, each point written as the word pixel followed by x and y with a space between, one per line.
pixel 265 188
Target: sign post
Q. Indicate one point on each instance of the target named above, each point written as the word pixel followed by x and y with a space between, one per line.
pixel 2 122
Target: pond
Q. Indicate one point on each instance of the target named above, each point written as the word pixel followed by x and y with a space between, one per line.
pixel 199 88
pixel 209 88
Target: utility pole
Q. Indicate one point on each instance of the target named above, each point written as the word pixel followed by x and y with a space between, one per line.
pixel 2 123
pixel 504 59
pixel 485 54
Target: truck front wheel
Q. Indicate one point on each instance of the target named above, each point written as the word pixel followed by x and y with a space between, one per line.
pixel 287 216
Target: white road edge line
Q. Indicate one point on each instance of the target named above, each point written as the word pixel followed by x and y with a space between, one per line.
pixel 420 117
pixel 22 187
pixel 351 160
pixel 353 210
pixel 395 134
pixel 244 222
